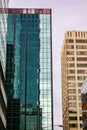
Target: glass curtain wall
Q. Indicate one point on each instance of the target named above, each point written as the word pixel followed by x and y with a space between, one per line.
pixel 31 36
pixel 45 71
pixel 3 34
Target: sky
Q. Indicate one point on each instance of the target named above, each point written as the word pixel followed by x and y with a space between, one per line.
pixel 66 15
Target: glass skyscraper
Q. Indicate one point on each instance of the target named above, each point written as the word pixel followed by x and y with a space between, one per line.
pixel 3 34
pixel 84 103
pixel 29 32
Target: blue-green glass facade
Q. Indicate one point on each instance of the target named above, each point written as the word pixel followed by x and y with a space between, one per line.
pixel 29 30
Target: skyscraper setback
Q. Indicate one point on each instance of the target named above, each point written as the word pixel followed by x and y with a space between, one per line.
pixel 30 36
pixel 74 72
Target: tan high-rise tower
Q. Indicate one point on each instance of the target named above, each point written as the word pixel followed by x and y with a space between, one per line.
pixel 74 71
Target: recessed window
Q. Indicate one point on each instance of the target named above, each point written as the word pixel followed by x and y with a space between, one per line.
pixel 81 65
pixel 72 104
pixel 70 52
pixel 70 58
pixel 71 65
pixel 71 71
pixel 80 71
pixel 71 84
pixel 81 47
pixel 81 53
pixel 71 91
pixel 81 125
pixel 73 125
pixel 73 118
pixel 81 41
pixel 70 46
pixel 81 59
pixel 72 97
pixel 80 84
pixel 81 77
pixel 69 41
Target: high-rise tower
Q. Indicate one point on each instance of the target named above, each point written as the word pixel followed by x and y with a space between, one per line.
pixel 3 34
pixel 74 71
pixel 29 33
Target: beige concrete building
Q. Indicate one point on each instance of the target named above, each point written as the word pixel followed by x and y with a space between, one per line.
pixel 74 72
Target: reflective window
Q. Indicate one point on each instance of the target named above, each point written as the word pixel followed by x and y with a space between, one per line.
pixel 45 70
pixel 30 36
